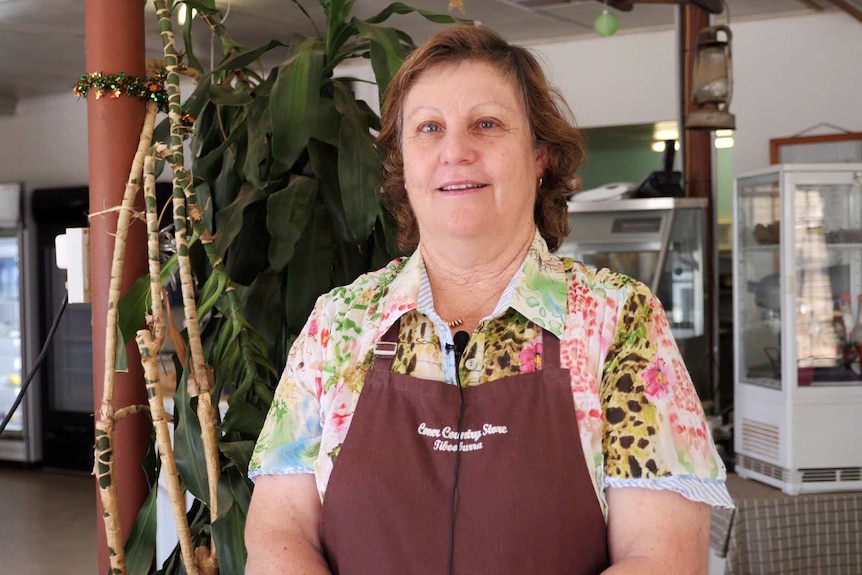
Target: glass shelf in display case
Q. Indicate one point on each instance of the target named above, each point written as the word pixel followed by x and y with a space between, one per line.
pixel 797 288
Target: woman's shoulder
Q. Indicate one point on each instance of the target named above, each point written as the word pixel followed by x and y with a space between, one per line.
pixel 366 289
pixel 603 281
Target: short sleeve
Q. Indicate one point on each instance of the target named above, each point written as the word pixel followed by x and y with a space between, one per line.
pixel 655 434
pixel 289 441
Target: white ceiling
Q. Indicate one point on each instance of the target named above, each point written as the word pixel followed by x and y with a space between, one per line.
pixel 42 41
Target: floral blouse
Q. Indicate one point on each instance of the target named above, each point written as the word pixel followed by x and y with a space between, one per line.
pixel 640 421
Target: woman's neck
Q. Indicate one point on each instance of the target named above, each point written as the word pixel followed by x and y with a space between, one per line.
pixel 466 283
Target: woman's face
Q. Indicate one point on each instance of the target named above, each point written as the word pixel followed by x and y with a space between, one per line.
pixel 470 167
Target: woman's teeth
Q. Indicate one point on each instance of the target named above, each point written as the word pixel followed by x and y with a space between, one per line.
pixel 462 187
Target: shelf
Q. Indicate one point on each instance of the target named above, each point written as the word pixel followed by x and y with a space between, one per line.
pixel 844 246
pixel 768 382
pixel 770 248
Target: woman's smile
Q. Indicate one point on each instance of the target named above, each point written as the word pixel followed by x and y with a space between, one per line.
pixel 461 187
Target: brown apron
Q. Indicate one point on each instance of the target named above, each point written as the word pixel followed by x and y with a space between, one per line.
pixel 525 502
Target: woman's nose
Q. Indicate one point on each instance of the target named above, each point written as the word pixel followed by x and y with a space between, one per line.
pixel 457 148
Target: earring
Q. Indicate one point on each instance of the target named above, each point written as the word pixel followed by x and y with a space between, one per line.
pixel 540 181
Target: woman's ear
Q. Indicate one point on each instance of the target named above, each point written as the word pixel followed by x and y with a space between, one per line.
pixel 541 160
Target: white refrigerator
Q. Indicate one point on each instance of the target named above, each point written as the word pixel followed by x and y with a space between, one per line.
pixel 19 441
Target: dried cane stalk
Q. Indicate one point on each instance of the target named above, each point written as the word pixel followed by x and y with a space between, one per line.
pixel 198 383
pixel 149 345
pixel 104 464
pixel 149 354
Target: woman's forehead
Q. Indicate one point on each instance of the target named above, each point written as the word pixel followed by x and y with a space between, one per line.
pixel 473 69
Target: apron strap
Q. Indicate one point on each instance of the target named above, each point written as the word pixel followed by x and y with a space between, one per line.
pixel 385 348
pixel 550 350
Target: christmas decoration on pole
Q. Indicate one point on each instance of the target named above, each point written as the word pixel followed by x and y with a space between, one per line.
pixel 116 85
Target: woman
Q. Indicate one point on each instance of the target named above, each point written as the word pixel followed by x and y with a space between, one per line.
pixel 508 411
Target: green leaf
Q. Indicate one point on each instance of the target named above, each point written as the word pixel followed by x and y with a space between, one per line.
pixel 222 95
pixel 246 58
pixel 259 127
pixel 205 6
pixel 358 167
pixel 243 418
pixel 337 14
pixel 324 163
pixel 188 447
pixel 229 219
pixel 401 8
pixel 194 63
pixel 141 544
pixel 387 52
pixel 239 452
pixel 228 532
pixel 246 256
pixel 121 363
pixel 310 271
pixel 227 184
pixel 287 215
pixel 328 122
pixel 212 290
pixel 293 101
pixel 264 310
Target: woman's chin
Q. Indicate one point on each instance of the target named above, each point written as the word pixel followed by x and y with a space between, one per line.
pixel 479 230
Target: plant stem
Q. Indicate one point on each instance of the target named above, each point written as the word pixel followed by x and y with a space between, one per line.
pixel 149 353
pixel 198 383
pixel 149 345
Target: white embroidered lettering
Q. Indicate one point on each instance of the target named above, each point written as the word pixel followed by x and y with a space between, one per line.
pixel 447 439
pixel 440 445
pixel 428 431
pixel 469 434
pixel 489 429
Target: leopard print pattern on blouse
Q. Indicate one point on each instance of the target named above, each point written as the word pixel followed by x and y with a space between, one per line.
pixel 631 421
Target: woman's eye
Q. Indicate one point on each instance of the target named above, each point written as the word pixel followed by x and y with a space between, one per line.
pixel 429 128
pixel 486 124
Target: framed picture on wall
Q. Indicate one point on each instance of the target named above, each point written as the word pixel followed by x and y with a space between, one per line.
pixel 829 148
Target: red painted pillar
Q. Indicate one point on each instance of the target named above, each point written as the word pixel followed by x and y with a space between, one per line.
pixel 115 43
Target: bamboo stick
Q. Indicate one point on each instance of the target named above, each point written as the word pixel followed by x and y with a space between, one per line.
pixel 198 383
pixel 149 353
pixel 104 456
pixel 149 344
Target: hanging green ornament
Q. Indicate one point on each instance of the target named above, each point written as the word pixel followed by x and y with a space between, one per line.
pixel 606 24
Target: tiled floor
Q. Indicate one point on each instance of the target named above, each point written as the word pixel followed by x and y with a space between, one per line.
pixel 47 522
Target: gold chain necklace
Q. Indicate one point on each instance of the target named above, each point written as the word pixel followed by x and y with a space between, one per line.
pixel 459 321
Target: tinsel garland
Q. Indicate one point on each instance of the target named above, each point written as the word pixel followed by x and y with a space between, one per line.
pixel 116 85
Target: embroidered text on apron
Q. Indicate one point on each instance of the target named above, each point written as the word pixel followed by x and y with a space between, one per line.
pixel 525 502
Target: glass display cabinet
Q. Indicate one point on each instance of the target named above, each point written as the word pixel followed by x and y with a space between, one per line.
pixel 798 335
pixel 659 241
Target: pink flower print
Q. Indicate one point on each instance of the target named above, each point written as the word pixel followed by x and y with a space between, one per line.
pixel 656 382
pixel 324 338
pixel 312 326
pixel 531 357
pixel 341 417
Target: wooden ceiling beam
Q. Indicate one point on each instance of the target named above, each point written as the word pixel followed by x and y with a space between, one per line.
pixel 849 8
pixel 712 6
pixel 811 5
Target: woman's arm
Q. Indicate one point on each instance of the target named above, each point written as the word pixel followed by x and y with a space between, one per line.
pixel 283 526
pixel 656 532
